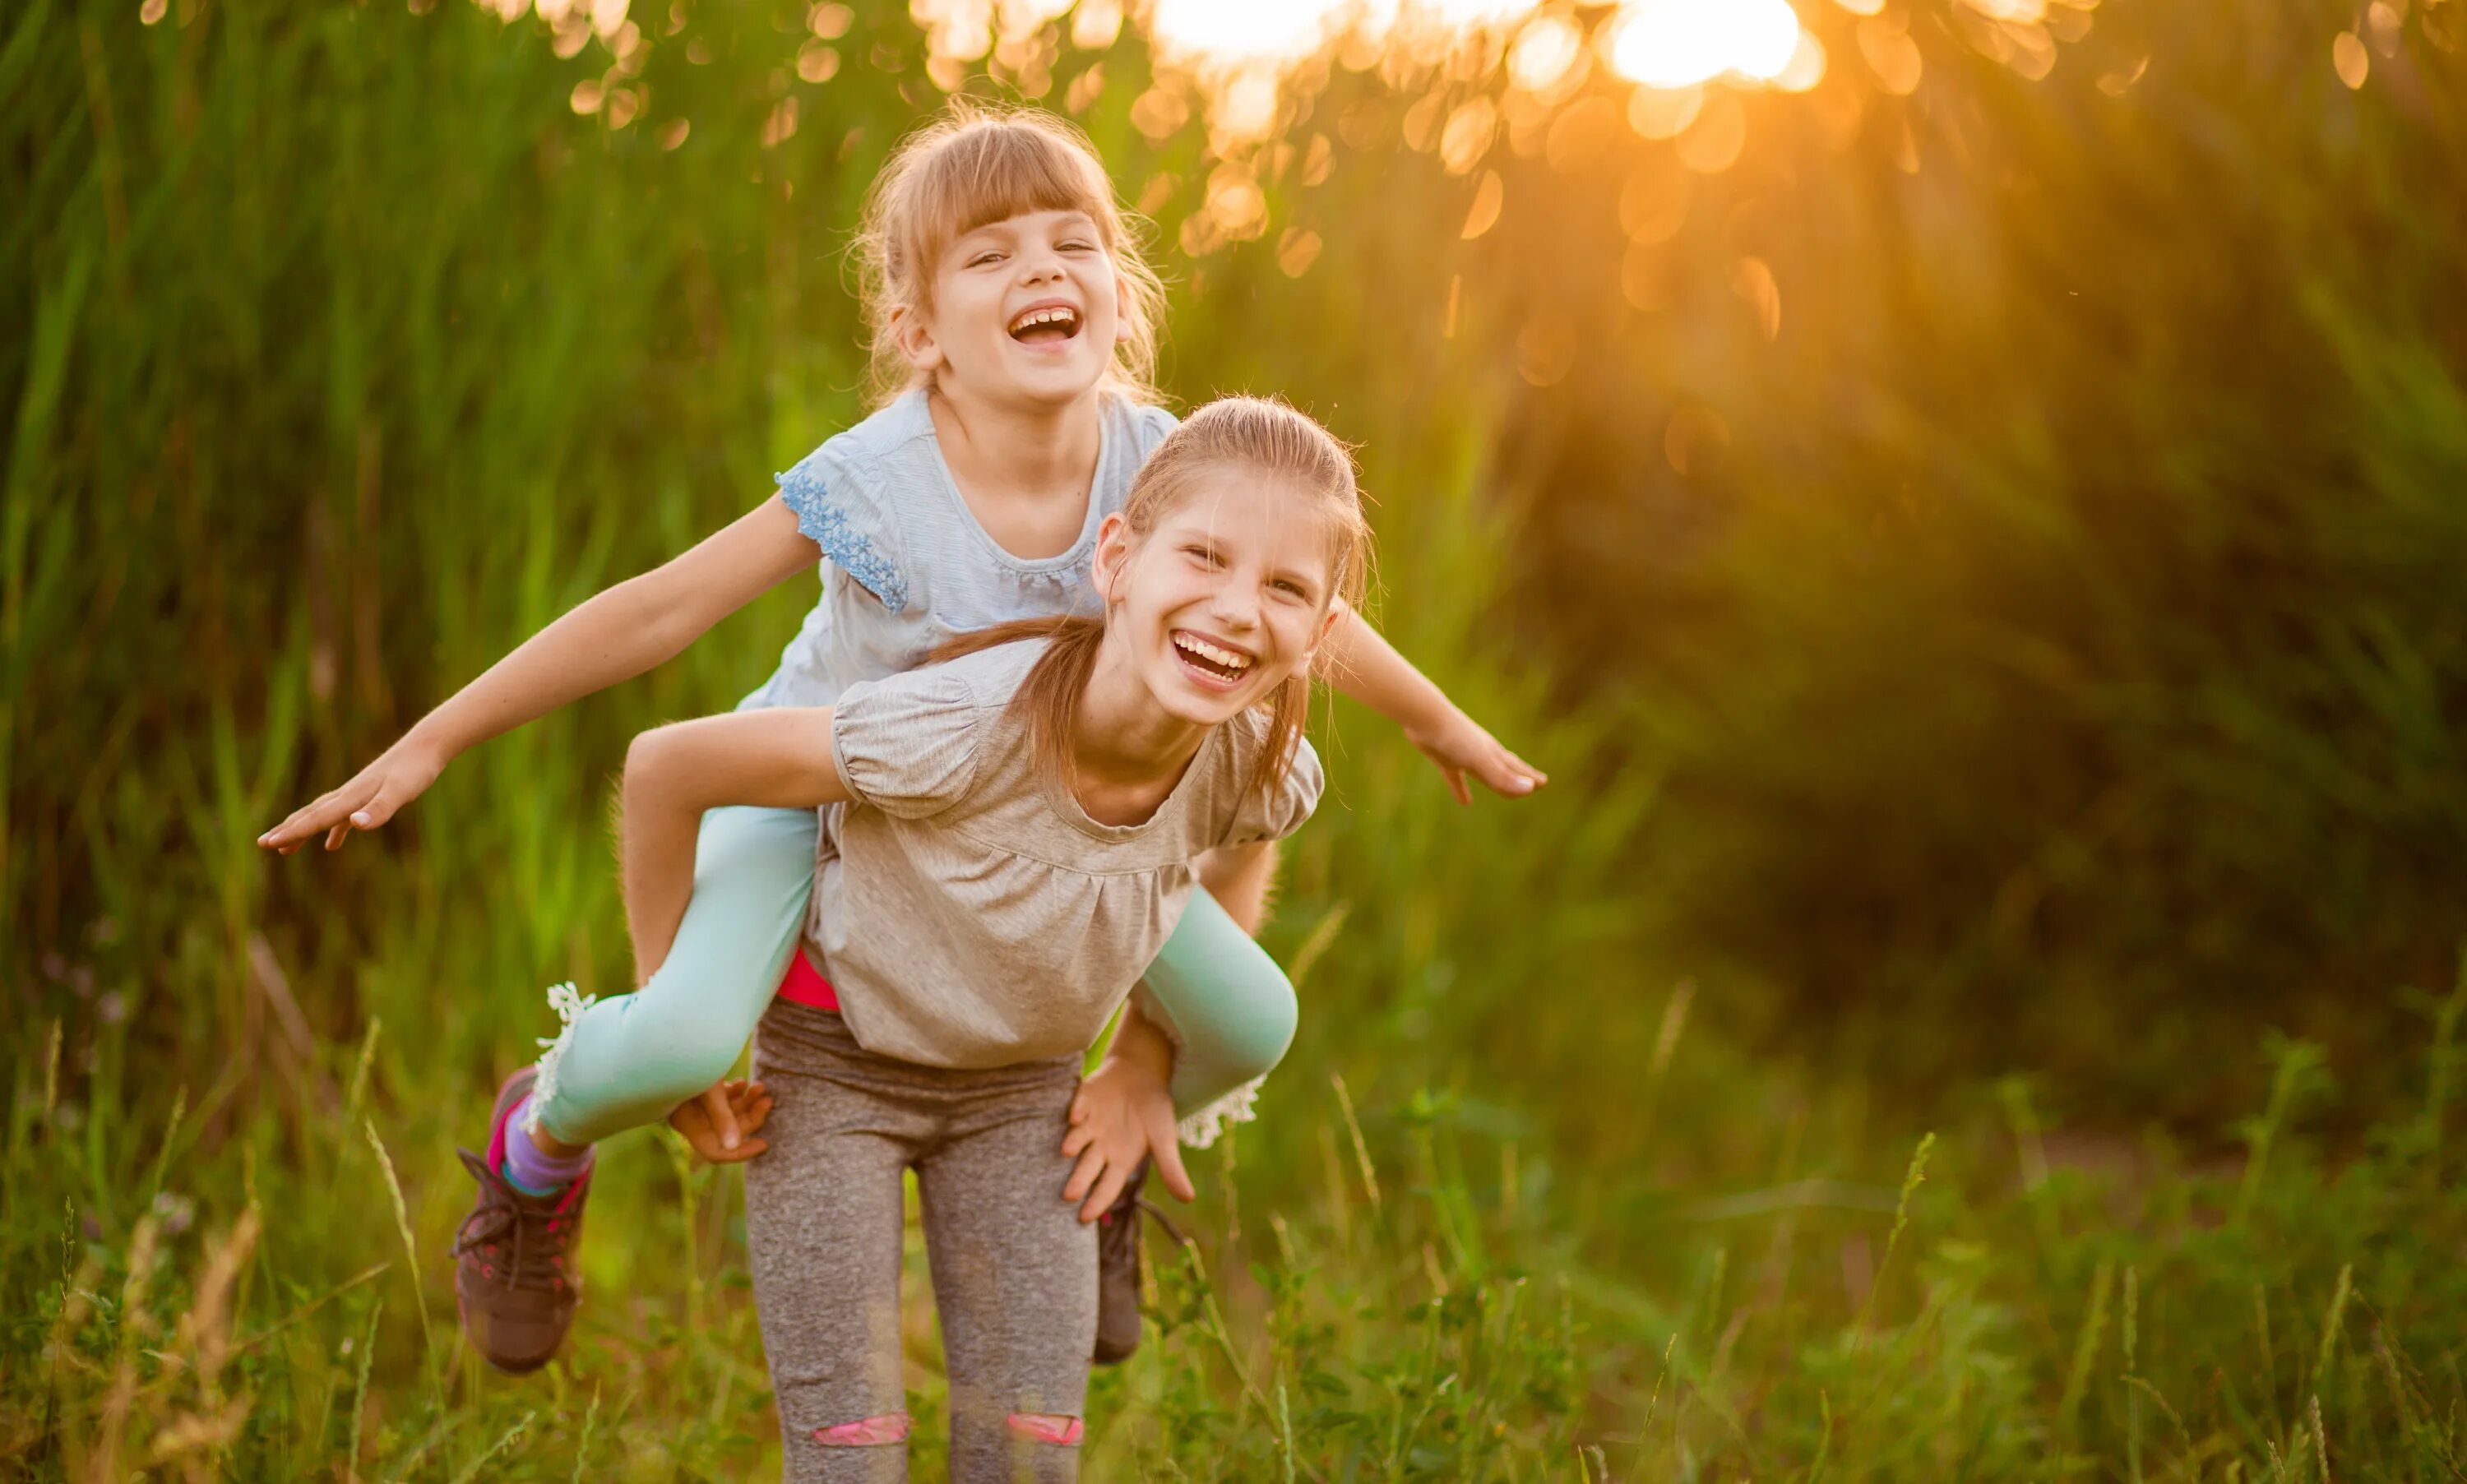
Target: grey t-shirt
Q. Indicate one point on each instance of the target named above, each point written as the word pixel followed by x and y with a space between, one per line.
pixel 966 910
pixel 906 565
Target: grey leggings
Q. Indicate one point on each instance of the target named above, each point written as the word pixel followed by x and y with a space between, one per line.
pixel 1014 1272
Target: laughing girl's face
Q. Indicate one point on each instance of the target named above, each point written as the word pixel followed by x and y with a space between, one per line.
pixel 1228 598
pixel 1025 311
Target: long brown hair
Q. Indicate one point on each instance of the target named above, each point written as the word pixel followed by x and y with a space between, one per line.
pixel 1258 436
pixel 981 164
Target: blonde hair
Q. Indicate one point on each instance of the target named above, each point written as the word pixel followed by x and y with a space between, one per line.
pixel 979 164
pixel 1258 436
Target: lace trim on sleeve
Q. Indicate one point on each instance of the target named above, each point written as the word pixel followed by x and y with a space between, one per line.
pixel 825 519
pixel 569 1003
pixel 1202 1127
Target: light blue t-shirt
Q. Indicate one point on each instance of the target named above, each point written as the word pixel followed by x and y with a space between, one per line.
pixel 905 564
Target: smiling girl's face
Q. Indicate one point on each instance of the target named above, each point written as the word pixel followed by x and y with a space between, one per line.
pixel 1227 597
pixel 1025 312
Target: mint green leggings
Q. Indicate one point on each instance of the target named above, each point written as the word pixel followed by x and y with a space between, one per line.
pixel 630 1059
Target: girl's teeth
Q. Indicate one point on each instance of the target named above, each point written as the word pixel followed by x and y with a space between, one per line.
pixel 1208 651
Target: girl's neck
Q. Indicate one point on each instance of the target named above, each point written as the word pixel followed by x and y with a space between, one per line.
pixel 1023 470
pixel 1127 752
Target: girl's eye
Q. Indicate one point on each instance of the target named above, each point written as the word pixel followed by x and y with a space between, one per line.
pixel 1291 589
pixel 1200 554
pixel 983 258
pixel 1079 247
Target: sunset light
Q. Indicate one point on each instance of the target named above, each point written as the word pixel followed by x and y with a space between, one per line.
pixel 1679 43
pixel 1232 35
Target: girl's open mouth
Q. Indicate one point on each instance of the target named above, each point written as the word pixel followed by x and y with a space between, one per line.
pixel 1221 666
pixel 1042 325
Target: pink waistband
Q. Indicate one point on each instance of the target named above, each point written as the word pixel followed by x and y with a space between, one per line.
pixel 804 984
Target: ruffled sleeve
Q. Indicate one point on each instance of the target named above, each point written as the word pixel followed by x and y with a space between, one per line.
pixel 908 745
pixel 1283 810
pixel 845 513
pixel 1152 424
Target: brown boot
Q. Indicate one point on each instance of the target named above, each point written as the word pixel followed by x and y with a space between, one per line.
pixel 514 1281
pixel 1119 1299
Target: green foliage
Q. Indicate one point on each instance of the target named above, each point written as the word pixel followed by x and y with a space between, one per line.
pixel 2060 619
pixel 2038 675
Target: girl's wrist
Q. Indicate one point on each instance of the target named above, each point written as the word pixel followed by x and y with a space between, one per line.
pixel 1142 1047
pixel 1438 717
pixel 426 741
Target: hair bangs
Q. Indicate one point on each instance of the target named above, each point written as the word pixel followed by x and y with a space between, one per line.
pixel 996 171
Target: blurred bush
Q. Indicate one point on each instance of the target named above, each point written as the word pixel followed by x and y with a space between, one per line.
pixel 2048 630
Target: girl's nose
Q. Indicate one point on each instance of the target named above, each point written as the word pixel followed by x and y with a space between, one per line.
pixel 1235 609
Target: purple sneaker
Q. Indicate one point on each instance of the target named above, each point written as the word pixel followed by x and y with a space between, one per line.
pixel 514 1282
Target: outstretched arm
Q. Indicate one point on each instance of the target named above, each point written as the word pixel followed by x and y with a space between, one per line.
pixel 1367 667
pixel 616 635
pixel 779 757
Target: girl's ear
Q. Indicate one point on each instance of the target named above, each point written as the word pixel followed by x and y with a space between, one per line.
pixel 914 337
pixel 1113 556
pixel 1336 612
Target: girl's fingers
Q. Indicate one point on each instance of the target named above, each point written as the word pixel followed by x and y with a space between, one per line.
pixel 308 822
pixel 1164 1149
pixel 723 1119
pixel 1076 1140
pixel 740 1154
pixel 1108 1190
pixel 1091 1163
pixel 334 837
pixel 377 810
pixel 1522 775
pixel 295 825
pixel 1456 785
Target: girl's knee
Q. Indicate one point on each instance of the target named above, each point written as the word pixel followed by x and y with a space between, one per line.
pixel 883 1431
pixel 1255 1028
pixel 1054 1428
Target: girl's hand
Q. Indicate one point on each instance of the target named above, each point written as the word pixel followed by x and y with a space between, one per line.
pixel 720 1124
pixel 1460 746
pixel 1123 1112
pixel 401 773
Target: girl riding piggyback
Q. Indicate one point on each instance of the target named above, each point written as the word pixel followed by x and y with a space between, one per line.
pixel 1013 328
pixel 1011 832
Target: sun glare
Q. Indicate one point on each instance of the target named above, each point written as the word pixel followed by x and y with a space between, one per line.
pixel 1232 35
pixel 1680 43
pixel 1659 43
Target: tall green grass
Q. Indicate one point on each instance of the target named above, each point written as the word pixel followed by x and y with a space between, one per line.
pixel 340 352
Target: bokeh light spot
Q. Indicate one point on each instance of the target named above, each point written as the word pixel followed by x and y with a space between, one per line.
pixel 1488 197
pixel 1662 113
pixel 1712 143
pixel 2348 55
pixel 1545 51
pixel 1673 43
